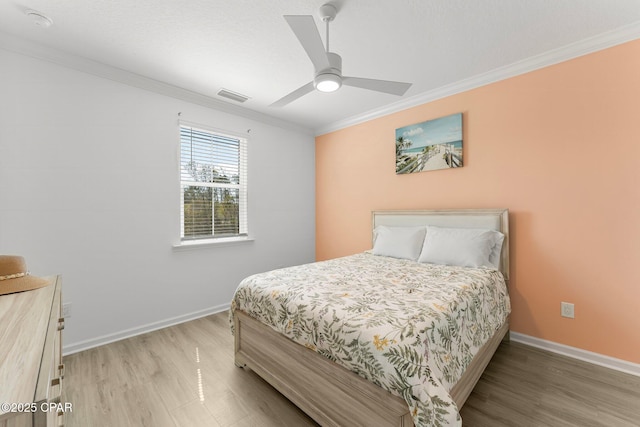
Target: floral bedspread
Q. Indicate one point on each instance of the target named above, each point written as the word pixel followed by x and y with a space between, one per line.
pixel 408 327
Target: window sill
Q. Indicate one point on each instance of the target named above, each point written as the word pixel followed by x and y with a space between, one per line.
pixel 206 243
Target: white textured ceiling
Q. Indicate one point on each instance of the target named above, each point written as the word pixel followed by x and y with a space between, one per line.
pixel 246 46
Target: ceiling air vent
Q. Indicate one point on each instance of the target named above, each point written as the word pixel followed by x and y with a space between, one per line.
pixel 232 95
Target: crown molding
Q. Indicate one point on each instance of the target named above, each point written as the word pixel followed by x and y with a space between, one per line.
pixel 586 46
pixel 583 47
pixel 25 47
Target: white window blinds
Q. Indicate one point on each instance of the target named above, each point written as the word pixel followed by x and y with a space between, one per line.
pixel 213 178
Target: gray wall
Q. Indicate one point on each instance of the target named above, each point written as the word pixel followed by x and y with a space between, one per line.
pixel 89 188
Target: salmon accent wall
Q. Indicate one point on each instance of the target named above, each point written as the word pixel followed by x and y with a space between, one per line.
pixel 560 148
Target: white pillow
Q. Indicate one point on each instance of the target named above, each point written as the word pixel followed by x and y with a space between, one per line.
pixel 398 242
pixel 465 247
pixel 496 251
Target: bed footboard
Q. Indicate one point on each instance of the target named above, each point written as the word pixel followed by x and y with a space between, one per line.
pixel 327 392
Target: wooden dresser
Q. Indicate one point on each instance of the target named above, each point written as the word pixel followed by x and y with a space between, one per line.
pixel 31 368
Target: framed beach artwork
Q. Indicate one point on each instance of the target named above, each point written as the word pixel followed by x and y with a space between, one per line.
pixel 431 145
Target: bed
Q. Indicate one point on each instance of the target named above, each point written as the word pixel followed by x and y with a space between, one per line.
pixel 359 346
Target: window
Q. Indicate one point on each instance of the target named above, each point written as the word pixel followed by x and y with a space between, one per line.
pixel 213 178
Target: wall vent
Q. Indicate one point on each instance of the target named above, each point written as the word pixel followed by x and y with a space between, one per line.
pixel 232 95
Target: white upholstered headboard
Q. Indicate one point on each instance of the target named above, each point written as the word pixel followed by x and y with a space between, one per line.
pixel 494 219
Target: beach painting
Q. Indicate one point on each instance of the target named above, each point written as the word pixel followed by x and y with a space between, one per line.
pixel 431 145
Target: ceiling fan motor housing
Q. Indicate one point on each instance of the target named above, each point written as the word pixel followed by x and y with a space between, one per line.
pixel 329 79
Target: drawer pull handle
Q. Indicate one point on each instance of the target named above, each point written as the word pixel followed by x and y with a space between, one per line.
pixel 61 370
pixel 55 382
pixel 61 325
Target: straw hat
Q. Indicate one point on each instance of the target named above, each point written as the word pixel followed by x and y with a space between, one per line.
pixel 14 276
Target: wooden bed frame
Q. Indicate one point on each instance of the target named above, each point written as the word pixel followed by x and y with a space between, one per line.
pixel 335 396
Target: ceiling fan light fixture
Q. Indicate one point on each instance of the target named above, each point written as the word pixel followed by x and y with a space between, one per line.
pixel 327 82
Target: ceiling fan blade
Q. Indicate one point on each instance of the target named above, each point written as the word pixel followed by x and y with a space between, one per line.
pixel 298 93
pixel 386 86
pixel 305 29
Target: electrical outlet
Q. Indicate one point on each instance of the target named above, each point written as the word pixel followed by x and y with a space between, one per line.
pixel 566 310
pixel 66 310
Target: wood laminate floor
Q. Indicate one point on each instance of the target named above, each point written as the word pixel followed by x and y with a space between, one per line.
pixel 184 376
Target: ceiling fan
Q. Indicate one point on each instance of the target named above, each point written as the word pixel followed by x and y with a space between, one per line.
pixel 328 65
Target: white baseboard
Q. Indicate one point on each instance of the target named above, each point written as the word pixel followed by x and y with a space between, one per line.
pixel 127 333
pixel 577 353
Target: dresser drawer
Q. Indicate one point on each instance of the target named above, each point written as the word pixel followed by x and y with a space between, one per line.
pixel 31 370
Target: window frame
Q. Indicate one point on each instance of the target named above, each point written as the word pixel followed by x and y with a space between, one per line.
pixel 242 187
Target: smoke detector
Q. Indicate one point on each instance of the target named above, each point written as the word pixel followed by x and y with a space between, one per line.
pixel 39 18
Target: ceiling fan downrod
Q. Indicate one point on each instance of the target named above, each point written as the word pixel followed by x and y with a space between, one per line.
pixel 328 13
